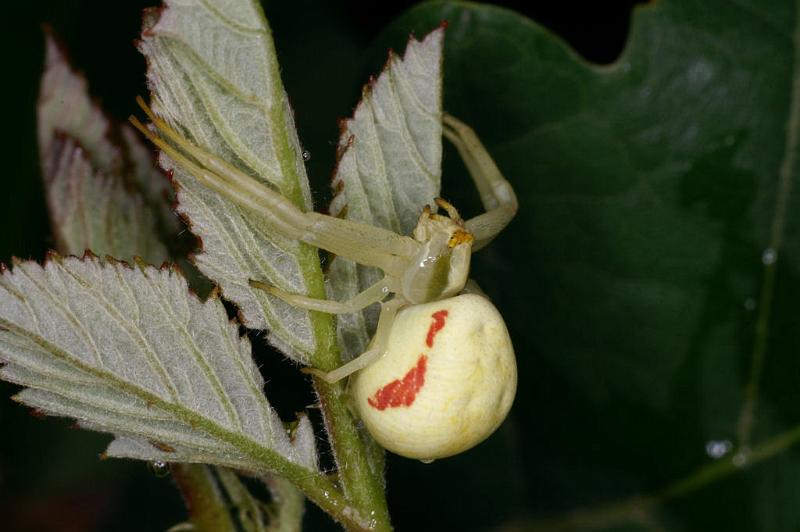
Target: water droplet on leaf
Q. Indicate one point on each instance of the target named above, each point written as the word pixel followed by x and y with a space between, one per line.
pixel 306 155
pixel 769 256
pixel 716 449
pixel 159 468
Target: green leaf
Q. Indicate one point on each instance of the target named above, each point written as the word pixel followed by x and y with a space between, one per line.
pixel 638 279
pixel 156 191
pixel 389 166
pixel 94 204
pixel 215 77
pixel 134 353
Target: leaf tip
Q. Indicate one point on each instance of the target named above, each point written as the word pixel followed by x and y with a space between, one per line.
pixel 150 17
pixel 51 255
pixel 54 50
pixel 141 264
pixel 16 261
pixel 88 255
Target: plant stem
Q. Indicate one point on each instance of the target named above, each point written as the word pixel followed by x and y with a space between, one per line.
pixel 206 506
pixel 360 483
pixel 328 497
pixel 636 508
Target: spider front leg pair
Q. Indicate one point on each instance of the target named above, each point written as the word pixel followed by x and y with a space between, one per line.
pixel 439 375
pixel 421 282
pixel 496 193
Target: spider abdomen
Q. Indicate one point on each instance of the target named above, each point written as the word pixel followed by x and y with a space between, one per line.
pixel 446 381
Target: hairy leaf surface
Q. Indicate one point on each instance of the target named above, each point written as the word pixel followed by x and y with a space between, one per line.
pixel 215 78
pixel 132 352
pixel 389 165
pixel 96 200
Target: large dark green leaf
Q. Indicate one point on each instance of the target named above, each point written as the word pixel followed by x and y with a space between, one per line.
pixel 654 195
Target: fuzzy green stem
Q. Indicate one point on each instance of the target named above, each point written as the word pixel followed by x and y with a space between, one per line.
pixel 360 483
pixel 362 486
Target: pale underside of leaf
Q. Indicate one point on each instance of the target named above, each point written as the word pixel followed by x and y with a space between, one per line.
pixel 91 204
pixel 151 182
pixel 94 210
pixel 390 165
pixel 65 106
pixel 132 352
pixel 214 77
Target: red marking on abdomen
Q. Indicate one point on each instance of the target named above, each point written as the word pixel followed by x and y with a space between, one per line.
pixel 401 392
pixel 436 326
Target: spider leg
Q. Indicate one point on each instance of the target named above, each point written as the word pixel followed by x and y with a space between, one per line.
pixel 361 243
pixel 496 193
pixel 371 295
pixel 376 348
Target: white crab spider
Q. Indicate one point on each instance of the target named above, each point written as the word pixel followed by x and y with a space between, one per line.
pixel 439 375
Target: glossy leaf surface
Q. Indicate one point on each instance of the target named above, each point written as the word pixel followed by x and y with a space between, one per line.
pixel 650 279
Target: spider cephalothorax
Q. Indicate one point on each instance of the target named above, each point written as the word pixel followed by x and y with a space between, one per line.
pixel 442 262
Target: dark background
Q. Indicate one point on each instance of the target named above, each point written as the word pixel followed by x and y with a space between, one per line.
pixel 50 475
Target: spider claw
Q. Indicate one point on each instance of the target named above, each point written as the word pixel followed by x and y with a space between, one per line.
pixel 317 373
pixel 452 212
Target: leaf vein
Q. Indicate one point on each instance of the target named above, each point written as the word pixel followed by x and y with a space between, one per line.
pixel 133 333
pixel 786 173
pixel 208 371
pixel 68 314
